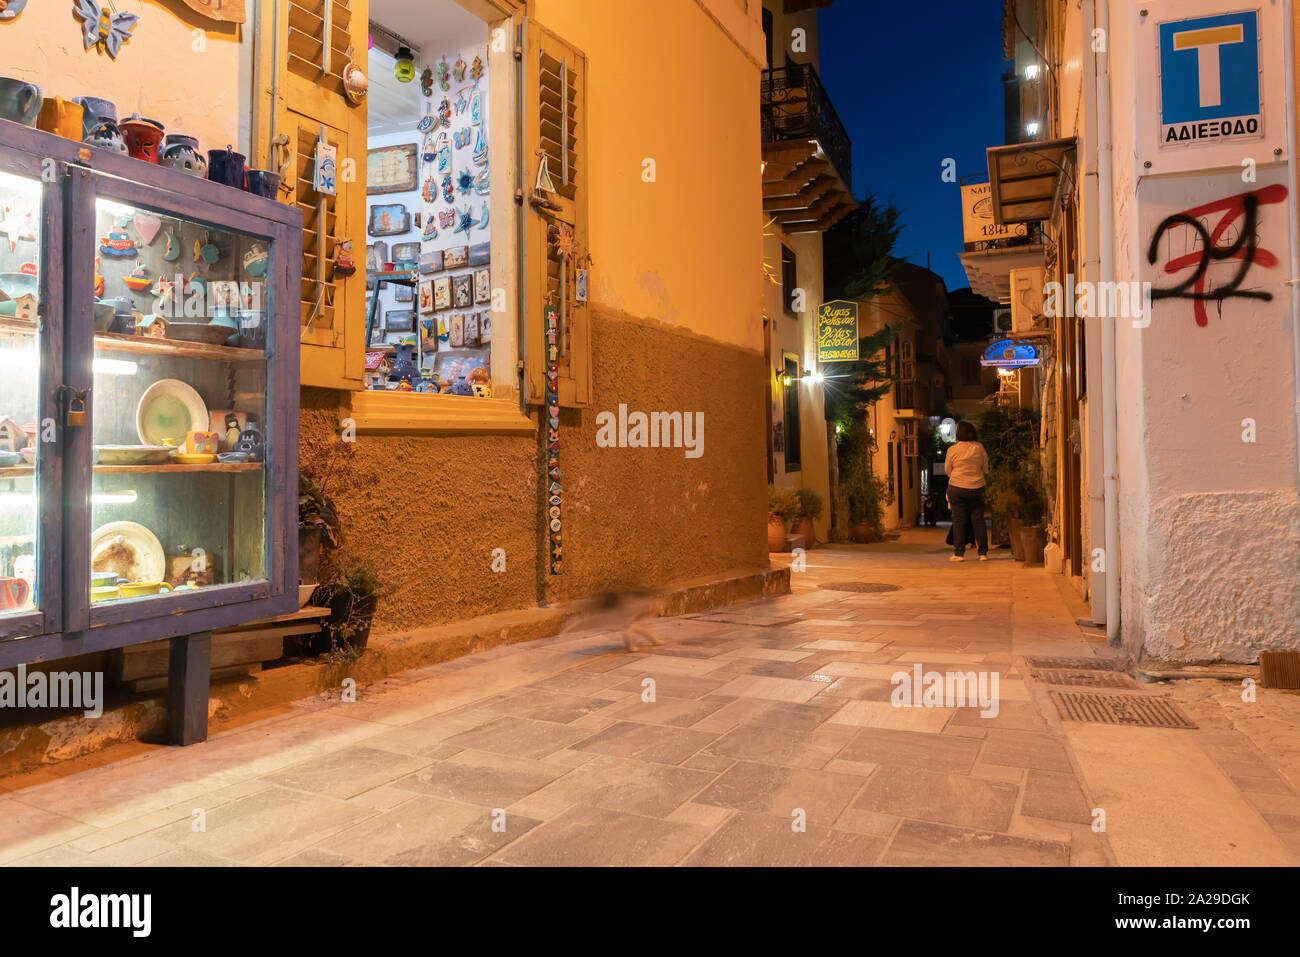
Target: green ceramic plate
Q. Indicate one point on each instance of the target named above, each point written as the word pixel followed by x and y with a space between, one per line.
pixel 168 409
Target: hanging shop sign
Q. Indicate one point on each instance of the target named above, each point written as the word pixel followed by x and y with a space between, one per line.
pixel 1010 354
pixel 837 331
pixel 1209 89
pixel 977 224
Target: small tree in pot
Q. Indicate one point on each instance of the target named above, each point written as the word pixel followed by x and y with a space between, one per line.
pixel 810 509
pixel 782 507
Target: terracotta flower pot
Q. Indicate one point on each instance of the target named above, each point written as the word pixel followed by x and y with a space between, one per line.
pixel 775 533
pixel 804 527
pixel 862 532
pixel 1033 539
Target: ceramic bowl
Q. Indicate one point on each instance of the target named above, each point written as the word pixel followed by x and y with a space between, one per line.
pixel 15 284
pixel 140 589
pixel 233 458
pixel 132 454
pixel 9 459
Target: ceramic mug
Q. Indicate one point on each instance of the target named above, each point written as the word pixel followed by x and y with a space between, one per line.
pixel 140 589
pixel 96 111
pixel 202 443
pixel 20 101
pixel 226 166
pixel 264 183
pixel 252 328
pixel 62 117
pixel 13 593
pixel 104 593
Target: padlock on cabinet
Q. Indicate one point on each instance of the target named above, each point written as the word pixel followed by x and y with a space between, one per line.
pixel 75 414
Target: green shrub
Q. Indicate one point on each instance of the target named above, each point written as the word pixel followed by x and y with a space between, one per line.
pixel 783 503
pixel 810 504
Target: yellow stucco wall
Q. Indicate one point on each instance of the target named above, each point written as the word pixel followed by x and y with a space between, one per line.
pixel 673 87
pixel 158 72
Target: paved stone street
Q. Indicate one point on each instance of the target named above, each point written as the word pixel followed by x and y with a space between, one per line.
pixel 764 716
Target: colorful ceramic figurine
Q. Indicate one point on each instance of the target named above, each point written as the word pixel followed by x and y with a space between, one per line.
pixel 139 279
pixel 476 70
pixel 117 242
pixel 102 27
pixel 404 369
pixel 250 443
pixel 343 262
pixel 458 71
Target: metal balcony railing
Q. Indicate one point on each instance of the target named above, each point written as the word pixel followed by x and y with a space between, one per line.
pixel 795 106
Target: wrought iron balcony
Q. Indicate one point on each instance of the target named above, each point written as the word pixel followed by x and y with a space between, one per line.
pixel 795 106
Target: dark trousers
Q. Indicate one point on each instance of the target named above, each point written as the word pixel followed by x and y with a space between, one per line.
pixel 967 507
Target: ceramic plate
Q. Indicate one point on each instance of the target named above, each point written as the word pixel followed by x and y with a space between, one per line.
pixel 194 458
pixel 130 550
pixel 168 409
pixel 131 454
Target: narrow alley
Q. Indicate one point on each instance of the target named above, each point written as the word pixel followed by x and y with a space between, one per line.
pixel 757 734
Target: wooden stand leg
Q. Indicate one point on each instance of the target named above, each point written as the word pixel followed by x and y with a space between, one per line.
pixel 189 669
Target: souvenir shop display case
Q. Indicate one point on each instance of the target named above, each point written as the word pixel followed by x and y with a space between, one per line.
pixel 148 404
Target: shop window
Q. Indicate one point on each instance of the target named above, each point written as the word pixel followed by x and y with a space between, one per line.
pixel 790 398
pixel 789 282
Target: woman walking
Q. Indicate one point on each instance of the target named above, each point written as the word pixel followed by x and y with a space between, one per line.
pixel 966 463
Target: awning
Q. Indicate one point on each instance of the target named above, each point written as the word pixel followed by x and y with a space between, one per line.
pixel 1026 178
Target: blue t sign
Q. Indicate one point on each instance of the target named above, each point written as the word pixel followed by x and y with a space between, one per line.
pixel 1210 79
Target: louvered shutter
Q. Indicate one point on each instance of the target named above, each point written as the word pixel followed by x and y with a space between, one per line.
pixel 555 127
pixel 311 103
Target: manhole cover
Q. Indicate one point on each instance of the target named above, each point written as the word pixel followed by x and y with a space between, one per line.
pixel 1087 679
pixel 1136 710
pixel 1075 664
pixel 861 586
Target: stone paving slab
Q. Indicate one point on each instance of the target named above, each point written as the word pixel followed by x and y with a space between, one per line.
pixel 765 735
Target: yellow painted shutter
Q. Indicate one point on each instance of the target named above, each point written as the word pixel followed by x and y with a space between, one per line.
pixel 305 102
pixel 555 83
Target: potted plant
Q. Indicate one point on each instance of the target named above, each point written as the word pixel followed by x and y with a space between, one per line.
pixel 810 509
pixel 868 495
pixel 318 523
pixel 1015 494
pixel 318 520
pixel 353 598
pixel 782 507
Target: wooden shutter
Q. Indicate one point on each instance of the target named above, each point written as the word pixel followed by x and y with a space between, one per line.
pixel 304 102
pixel 555 84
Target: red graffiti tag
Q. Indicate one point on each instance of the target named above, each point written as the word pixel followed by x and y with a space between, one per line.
pixel 1243 206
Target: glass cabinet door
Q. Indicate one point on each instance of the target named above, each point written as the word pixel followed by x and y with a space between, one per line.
pixel 179 412
pixel 28 458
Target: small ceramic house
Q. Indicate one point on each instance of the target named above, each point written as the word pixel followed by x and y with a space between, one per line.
pixel 154 327
pixel 377 369
pixel 12 436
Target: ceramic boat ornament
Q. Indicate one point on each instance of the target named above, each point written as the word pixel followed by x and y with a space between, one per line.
pixel 255 260
pixel 139 279
pixel 117 242
pixel 103 26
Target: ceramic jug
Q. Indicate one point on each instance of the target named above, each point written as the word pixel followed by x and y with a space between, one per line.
pixel 20 101
pixel 61 117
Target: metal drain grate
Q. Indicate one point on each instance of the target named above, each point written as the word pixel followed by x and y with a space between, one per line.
pixel 862 586
pixel 1075 664
pixel 1135 710
pixel 1086 679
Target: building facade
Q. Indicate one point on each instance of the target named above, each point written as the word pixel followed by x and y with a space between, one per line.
pixel 468 504
pixel 806 189
pixel 1155 155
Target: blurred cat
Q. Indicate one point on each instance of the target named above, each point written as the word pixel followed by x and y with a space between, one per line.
pixel 621 611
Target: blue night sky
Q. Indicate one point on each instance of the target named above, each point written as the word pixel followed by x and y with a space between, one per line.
pixel 914 83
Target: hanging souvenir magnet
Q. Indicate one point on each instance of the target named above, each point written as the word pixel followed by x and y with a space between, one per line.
pixel 476 69
pixel 464 182
pixel 344 264
pixel 458 71
pixel 476 108
pixel 426 82
pixel 466 221
pixel 447 192
pixel 146 226
pixel 483 218
pixel 444 76
pixel 138 280
pixel 103 26
pixel 117 242
pixel 172 252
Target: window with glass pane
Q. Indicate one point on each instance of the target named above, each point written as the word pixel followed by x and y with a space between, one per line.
pixel 179 410
pixel 20 391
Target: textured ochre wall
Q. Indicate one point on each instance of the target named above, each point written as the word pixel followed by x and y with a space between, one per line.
pixel 161 72
pixel 426 512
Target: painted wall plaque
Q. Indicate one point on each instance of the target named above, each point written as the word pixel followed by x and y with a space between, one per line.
pixel 389 220
pixel 392 169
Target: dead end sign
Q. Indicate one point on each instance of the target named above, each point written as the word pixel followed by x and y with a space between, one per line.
pixel 837 331
pixel 1210 80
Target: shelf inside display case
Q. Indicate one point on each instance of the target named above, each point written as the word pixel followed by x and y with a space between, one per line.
pixel 147 346
pixel 21 471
